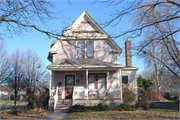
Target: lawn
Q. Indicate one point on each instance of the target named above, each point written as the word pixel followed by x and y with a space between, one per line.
pixel 139 114
pixel 28 114
pixel 156 112
pixel 11 102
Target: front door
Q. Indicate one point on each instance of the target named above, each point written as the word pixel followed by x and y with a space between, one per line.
pixel 69 83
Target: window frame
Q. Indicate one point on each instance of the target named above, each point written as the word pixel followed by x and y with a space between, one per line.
pixel 127 79
pixel 78 49
pixel 87 49
pixel 97 80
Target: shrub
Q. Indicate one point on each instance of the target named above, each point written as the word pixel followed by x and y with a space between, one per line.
pixel 153 94
pixel 78 108
pixel 31 105
pixel 101 107
pixel 143 102
pixel 127 107
pixel 167 95
pixel 14 111
pixel 128 96
pixel 117 108
pixel 12 97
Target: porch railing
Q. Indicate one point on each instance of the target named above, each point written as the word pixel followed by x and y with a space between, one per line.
pixel 56 98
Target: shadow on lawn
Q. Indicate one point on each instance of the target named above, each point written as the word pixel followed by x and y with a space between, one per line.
pixel 158 105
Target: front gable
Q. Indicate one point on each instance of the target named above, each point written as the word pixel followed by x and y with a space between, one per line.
pixel 85 28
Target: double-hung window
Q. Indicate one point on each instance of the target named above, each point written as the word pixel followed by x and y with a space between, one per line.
pixel 81 46
pixel 90 49
pixel 125 79
pixel 97 81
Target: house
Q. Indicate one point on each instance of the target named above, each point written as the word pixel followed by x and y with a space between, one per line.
pixel 4 92
pixel 85 63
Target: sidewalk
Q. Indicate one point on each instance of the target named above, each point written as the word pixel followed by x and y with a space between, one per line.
pixel 56 116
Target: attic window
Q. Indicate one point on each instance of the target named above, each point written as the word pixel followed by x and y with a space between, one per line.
pixel 81 47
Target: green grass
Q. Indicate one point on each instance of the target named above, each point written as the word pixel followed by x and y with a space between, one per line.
pixel 139 114
pixel 11 102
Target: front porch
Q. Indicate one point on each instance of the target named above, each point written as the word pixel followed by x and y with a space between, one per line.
pixel 85 81
pixel 84 87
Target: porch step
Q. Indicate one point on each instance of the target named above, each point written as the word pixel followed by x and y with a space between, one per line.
pixel 64 102
pixel 63 105
pixel 62 108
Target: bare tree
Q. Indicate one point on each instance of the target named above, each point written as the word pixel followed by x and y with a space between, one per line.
pixel 16 79
pixel 4 62
pixel 36 73
pixel 157 18
pixel 19 16
pixel 28 73
pixel 155 67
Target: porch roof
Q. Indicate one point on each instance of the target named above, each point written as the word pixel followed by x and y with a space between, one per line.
pixel 85 63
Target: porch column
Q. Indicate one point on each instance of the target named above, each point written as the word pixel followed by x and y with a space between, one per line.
pixel 120 82
pixel 53 79
pixel 50 80
pixel 119 78
pixel 107 79
pixel 86 78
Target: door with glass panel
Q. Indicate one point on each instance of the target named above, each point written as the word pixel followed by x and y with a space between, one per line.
pixel 69 84
pixel 97 82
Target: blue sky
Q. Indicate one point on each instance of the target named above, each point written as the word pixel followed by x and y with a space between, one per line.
pixel 40 43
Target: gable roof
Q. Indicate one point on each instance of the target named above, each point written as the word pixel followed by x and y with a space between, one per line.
pixel 49 55
pixel 85 27
pixel 83 64
pixel 4 89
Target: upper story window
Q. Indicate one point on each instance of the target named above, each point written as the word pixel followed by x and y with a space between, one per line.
pixel 90 49
pixel 81 46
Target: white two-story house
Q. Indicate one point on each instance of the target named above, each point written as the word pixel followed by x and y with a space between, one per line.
pixel 85 65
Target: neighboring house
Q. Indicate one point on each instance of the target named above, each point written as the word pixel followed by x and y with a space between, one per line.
pixel 86 62
pixel 21 94
pixel 4 92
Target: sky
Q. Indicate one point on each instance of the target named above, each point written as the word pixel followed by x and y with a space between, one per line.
pixel 40 43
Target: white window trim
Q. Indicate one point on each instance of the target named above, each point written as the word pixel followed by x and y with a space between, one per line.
pixel 124 75
pixel 85 49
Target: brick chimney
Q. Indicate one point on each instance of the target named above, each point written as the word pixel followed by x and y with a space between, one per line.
pixel 128 51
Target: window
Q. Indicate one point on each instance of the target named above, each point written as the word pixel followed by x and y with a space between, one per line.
pixel 81 49
pixel 90 49
pixel 97 81
pixel 125 79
